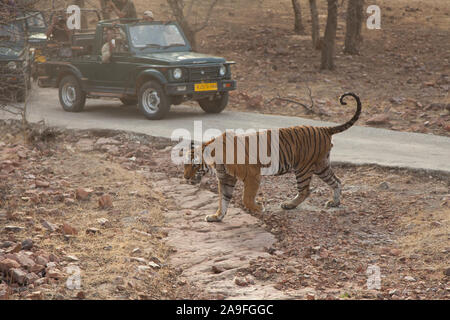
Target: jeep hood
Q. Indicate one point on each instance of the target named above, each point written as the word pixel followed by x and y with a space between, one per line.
pixel 8 53
pixel 176 58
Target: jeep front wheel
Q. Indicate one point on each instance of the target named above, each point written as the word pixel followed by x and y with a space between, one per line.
pixel 152 101
pixel 214 105
pixel 71 96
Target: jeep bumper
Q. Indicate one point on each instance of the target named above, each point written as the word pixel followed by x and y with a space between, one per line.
pixel 189 88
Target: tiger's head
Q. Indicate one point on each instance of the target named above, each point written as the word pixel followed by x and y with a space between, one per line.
pixel 194 168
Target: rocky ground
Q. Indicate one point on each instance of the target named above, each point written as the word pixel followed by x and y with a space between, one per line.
pixel 112 207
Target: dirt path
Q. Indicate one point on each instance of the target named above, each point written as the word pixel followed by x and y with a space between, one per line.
pixel 211 254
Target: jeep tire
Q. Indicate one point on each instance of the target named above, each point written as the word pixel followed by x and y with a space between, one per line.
pixel 214 105
pixel 71 97
pixel 152 101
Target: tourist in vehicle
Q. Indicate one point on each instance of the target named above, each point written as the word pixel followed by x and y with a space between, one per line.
pixel 59 32
pixel 109 46
pixel 124 9
pixel 148 16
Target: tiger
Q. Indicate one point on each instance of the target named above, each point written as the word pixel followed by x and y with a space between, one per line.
pixel 303 150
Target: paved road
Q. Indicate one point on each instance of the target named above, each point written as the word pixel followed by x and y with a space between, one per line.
pixel 358 145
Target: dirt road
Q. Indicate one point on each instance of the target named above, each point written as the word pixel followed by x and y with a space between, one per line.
pixel 359 145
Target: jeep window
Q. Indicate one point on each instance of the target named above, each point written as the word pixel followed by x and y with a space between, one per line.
pixel 120 39
pixel 11 33
pixel 36 20
pixel 156 36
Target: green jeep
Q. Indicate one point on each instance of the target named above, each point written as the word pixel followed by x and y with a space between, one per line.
pixel 14 62
pixel 152 66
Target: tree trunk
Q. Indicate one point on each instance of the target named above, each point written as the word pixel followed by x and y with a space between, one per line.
pixel 105 11
pixel 314 23
pixel 177 10
pixel 353 36
pixel 298 27
pixel 328 46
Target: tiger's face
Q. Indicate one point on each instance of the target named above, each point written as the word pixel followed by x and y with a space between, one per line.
pixel 193 169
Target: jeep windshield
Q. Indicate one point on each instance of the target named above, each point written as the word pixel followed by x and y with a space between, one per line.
pixel 11 35
pixel 148 37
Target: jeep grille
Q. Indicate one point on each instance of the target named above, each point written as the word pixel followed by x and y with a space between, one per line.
pixel 204 73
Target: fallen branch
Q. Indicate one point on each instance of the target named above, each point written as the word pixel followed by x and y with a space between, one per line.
pixel 308 108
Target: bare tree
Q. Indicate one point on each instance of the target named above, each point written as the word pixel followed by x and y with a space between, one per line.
pixel 353 38
pixel 183 17
pixel 298 26
pixel 328 46
pixel 104 9
pixel 314 24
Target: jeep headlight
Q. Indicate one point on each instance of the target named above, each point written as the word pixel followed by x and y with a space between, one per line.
pixel 12 65
pixel 222 70
pixel 177 73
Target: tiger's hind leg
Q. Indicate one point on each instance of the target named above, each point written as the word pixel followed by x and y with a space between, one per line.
pixel 226 187
pixel 251 186
pixel 303 182
pixel 327 175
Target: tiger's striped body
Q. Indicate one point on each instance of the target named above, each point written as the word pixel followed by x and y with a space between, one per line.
pixel 303 150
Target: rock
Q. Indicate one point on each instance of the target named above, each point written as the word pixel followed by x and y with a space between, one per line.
pixel 103 141
pixel 4 291
pixel 15 248
pixel 71 258
pixel 154 265
pixel 13 228
pixel 255 102
pixel 310 296
pixel 27 244
pixel 67 229
pixel 35 295
pixel 8 264
pixel 92 231
pixel 409 278
pixel 104 222
pixel 81 295
pixel 49 226
pixel 243 282
pixel 18 275
pixel 6 244
pixel 41 183
pixel 24 261
pixel 143 268
pixel 136 250
pixel 383 185
pixel 290 269
pixel 31 278
pixel 447 272
pixel 378 119
pixel 85 145
pixel 105 201
pixel 217 269
pixel 397 100
pixel 83 194
pixel 54 273
pixel 137 259
pixel 392 292
pixel 41 260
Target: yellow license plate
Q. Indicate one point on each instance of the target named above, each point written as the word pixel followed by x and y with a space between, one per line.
pixel 206 86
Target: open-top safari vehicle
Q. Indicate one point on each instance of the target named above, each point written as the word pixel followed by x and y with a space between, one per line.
pixel 152 65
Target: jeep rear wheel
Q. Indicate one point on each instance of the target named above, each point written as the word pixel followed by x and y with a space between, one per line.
pixel 153 102
pixel 71 96
pixel 214 105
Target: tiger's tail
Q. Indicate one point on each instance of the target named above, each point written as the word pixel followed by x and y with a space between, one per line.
pixel 348 124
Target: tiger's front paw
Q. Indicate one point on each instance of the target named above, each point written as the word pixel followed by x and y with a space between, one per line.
pixel 255 208
pixel 332 204
pixel 288 205
pixel 213 218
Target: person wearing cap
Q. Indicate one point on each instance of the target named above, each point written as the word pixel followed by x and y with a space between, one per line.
pixel 148 16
